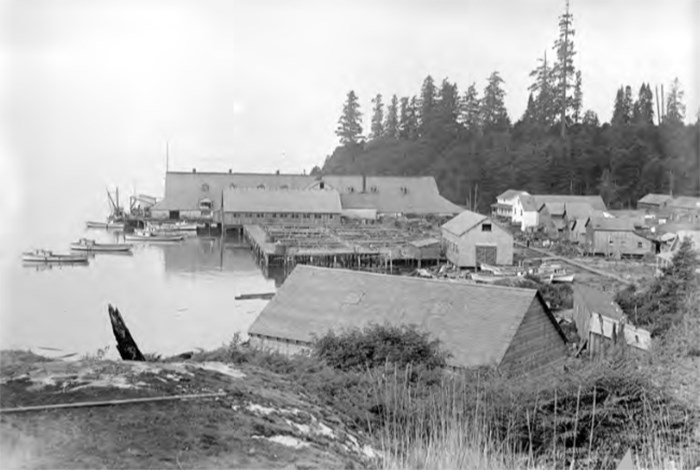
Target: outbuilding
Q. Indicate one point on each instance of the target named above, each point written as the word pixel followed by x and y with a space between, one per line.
pixel 471 239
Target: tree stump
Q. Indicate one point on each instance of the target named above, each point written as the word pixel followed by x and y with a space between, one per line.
pixel 128 350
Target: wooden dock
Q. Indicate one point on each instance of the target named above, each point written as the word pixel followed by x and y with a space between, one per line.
pixel 379 249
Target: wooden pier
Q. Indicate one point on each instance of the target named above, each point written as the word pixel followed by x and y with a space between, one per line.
pixel 377 249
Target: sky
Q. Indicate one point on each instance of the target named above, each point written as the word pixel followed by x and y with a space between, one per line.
pixel 92 90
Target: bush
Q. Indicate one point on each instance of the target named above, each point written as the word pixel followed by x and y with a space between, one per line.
pixel 378 345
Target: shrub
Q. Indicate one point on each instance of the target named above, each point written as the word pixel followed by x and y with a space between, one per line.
pixel 378 345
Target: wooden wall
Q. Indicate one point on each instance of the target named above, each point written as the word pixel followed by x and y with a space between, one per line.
pixel 536 343
pixel 268 218
pixel 620 243
pixel 461 251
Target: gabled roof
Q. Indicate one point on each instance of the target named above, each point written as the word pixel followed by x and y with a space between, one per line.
pixel 529 203
pixel 599 301
pixel 580 210
pixel 553 208
pixel 685 202
pixel 464 222
pixel 510 194
pixel 655 199
pixel 596 202
pixel 281 200
pixel 608 224
pixel 394 202
pixel 475 323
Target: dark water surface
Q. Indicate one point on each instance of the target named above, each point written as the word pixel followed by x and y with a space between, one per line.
pixel 174 297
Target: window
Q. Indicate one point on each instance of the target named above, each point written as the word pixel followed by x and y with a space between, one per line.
pixel 260 216
pixel 639 245
pixel 485 227
pixel 317 216
pixel 307 216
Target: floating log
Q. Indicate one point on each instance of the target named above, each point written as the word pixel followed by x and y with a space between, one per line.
pixel 264 296
pixel 126 345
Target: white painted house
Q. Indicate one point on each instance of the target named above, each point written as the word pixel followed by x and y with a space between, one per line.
pixel 525 212
pixel 504 206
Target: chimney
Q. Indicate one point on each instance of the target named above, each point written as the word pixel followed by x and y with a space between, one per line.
pixel 364 183
pixel 194 170
pixel 230 171
pixel 277 172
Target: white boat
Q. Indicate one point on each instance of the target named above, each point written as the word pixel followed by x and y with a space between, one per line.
pixel 565 278
pixel 501 270
pixel 105 225
pixel 484 279
pixel 46 256
pixel 86 244
pixel 153 237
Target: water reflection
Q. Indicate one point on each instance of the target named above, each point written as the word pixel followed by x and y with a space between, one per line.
pixel 174 297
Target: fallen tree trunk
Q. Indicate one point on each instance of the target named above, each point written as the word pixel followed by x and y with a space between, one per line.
pixel 126 345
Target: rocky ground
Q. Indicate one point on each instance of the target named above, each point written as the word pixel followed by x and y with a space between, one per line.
pixel 254 421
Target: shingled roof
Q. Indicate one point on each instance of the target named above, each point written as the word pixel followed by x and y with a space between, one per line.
pixel 281 200
pixel 596 202
pixel 475 323
pixel 510 194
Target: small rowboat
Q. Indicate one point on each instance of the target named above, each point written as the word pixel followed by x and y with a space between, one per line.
pixel 105 225
pixel 154 237
pixel 86 244
pixel 46 256
pixel 565 278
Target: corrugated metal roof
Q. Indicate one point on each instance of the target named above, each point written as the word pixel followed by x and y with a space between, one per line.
pixel 475 323
pixel 285 201
pixel 464 222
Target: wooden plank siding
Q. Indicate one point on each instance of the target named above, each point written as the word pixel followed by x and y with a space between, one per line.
pixel 269 218
pixel 461 250
pixel 536 343
pixel 617 243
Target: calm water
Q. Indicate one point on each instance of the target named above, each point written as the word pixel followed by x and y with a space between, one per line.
pixel 173 297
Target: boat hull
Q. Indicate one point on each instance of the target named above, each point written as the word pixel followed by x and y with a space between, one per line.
pixel 105 225
pixel 155 238
pixel 32 258
pixel 101 248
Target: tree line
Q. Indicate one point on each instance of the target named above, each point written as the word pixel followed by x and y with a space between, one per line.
pixel 470 144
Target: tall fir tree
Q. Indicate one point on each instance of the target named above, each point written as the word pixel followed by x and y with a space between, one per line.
pixel 564 71
pixel 643 110
pixel 413 118
pixel 447 111
pixel 428 93
pixel 377 129
pixel 493 110
pixel 350 123
pixel 530 114
pixel 590 118
pixel 622 111
pixel 578 99
pixel 404 125
pixel 544 89
pixel 470 112
pixel 391 125
pixel 675 108
pixel 628 104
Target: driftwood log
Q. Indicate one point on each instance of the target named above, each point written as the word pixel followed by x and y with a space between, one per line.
pixel 126 345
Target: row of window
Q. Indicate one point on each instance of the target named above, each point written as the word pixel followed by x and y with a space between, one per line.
pixel 283 215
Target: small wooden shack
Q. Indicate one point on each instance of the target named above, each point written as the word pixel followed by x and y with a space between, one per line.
pixel 471 239
pixel 480 326
pixel 615 237
pixel 653 202
pixel 601 323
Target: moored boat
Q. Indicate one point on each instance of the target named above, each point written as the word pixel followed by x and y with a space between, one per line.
pixel 86 244
pixel 154 237
pixel 105 225
pixel 47 256
pixel 564 278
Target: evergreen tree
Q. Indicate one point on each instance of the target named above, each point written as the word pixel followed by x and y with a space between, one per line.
pixel 447 111
pixel 563 70
pixel 675 108
pixel 391 126
pixel 530 115
pixel 543 87
pixel 404 125
pixel 413 120
pixel 470 115
pixel 578 99
pixel 493 110
pixel 622 110
pixel 377 129
pixel 350 123
pixel 643 110
pixel 428 94
pixel 590 118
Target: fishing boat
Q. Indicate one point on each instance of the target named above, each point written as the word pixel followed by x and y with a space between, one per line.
pixel 150 236
pixel 484 279
pixel 46 256
pixel 502 270
pixel 86 244
pixel 105 225
pixel 563 278
pixel 179 227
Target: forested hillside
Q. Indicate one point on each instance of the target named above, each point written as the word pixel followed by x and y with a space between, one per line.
pixel 469 143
